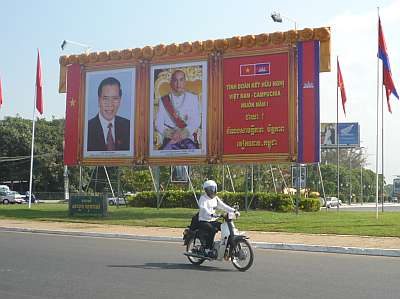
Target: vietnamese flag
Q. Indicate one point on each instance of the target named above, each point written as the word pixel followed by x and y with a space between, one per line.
pixel 39 96
pixel 1 94
pixel 72 115
pixel 341 86
pixel 247 69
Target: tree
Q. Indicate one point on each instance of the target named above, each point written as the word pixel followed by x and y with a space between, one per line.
pixel 15 151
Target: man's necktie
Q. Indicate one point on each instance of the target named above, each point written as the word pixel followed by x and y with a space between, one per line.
pixel 110 139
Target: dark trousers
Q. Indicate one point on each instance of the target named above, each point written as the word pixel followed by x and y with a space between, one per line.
pixel 207 231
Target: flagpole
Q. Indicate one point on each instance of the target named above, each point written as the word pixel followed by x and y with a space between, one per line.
pixel 337 126
pixel 383 164
pixel 377 129
pixel 33 141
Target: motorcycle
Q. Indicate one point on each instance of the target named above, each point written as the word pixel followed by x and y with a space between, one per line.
pixel 233 245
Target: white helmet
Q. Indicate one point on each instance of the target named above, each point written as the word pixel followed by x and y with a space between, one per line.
pixel 210 187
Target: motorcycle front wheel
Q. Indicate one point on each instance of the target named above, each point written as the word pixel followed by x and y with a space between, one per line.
pixel 193 246
pixel 242 255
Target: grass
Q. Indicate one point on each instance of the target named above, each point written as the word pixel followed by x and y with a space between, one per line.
pixel 345 223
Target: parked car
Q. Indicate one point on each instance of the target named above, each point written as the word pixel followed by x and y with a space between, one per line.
pixel 112 201
pixel 332 202
pixel 12 197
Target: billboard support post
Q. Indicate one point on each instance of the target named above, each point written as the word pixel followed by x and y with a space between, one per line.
pixel 350 177
pixel 361 182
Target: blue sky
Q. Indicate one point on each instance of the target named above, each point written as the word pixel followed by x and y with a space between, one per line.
pixel 117 24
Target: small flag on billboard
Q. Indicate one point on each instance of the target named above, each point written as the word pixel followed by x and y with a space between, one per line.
pixel 254 69
pixel 262 68
pixel 247 69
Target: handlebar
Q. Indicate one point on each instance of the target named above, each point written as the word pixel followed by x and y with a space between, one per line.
pixel 225 216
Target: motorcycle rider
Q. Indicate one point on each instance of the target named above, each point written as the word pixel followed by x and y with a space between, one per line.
pixel 208 224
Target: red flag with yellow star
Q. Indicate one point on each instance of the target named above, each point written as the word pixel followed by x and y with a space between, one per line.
pixel 72 115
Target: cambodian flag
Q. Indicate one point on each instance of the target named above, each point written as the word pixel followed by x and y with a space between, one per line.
pixel 387 73
pixel 262 68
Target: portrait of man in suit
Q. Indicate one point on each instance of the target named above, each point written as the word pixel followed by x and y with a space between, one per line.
pixel 107 131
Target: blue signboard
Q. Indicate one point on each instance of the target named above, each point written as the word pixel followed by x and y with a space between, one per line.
pixel 349 135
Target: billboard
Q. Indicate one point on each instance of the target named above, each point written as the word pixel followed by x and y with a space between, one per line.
pixel 349 135
pixel 228 100
pixel 257 108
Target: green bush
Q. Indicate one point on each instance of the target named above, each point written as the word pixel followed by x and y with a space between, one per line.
pixel 260 200
pixel 310 204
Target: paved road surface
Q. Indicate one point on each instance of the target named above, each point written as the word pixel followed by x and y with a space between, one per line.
pixel 51 266
pixel 368 207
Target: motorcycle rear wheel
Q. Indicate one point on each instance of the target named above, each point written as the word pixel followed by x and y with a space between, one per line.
pixel 242 255
pixel 194 243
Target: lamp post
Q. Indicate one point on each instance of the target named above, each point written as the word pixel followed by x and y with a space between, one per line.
pixel 278 18
pixel 67 42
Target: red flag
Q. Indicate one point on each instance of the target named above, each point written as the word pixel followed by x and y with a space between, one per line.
pixel 387 73
pixel 71 130
pixel 1 94
pixel 39 96
pixel 341 86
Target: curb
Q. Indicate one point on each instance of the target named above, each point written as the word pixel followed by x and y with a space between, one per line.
pixel 329 249
pixel 260 245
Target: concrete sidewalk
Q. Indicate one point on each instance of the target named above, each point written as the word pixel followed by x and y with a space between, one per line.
pixel 380 246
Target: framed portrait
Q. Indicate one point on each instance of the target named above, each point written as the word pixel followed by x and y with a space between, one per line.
pixel 179 174
pixel 178 109
pixel 109 113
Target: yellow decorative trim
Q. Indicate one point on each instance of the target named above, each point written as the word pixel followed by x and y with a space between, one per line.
pixel 234 42
pixel 148 52
pixel 262 39
pixel 208 45
pixel 115 55
pixel 277 38
pixel 197 47
pixel 291 36
pixel 137 53
pixel 172 49
pixel 103 56
pixel 160 50
pixel 249 41
pixel 93 57
pixel 306 34
pixel 185 49
pixel 83 58
pixel 323 34
pixel 63 60
pixel 221 44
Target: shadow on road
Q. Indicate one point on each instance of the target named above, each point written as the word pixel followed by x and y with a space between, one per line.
pixel 171 266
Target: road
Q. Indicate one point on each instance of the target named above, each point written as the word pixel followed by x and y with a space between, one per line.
pixel 52 266
pixel 367 207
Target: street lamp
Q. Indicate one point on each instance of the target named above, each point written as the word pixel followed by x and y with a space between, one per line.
pixel 67 42
pixel 278 18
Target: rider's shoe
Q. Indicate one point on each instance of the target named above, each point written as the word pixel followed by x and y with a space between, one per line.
pixel 209 253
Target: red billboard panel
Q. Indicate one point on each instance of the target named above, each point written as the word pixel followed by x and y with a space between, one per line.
pixel 256 104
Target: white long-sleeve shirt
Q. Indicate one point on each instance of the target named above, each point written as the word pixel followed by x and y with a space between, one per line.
pixel 187 108
pixel 209 205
